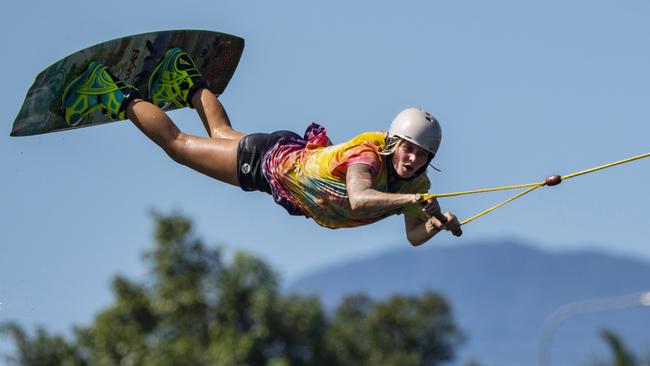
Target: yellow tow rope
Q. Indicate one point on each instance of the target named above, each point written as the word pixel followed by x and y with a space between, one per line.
pixel 550 181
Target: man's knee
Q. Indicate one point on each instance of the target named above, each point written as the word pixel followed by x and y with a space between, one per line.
pixel 177 148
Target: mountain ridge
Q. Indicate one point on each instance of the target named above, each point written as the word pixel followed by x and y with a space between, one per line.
pixel 501 292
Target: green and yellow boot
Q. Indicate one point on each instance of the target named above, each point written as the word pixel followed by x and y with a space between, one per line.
pixel 96 88
pixel 175 80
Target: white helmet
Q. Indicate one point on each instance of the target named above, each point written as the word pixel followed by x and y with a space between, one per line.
pixel 419 127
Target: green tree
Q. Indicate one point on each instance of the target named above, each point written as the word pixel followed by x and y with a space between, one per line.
pixel 405 330
pixel 42 349
pixel 620 354
pixel 197 310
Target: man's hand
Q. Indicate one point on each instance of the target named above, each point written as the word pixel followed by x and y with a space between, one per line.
pixel 448 222
pixel 430 207
pixel 452 224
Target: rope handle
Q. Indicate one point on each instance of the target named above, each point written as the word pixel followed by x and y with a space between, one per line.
pixel 550 181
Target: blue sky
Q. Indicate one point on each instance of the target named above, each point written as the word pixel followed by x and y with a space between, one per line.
pixel 523 89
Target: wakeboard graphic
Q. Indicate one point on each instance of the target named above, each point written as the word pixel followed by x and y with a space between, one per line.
pixel 132 59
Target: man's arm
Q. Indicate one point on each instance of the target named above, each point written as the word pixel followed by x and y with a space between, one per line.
pixel 365 199
pixel 418 232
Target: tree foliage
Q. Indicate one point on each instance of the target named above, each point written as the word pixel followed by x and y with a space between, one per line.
pixel 620 354
pixel 198 310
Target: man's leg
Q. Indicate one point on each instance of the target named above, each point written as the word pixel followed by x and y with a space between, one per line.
pixel 214 157
pixel 214 116
pixel 96 88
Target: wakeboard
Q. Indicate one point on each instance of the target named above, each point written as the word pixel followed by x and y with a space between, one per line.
pixel 132 59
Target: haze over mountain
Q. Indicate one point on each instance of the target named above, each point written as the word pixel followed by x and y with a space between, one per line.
pixel 502 292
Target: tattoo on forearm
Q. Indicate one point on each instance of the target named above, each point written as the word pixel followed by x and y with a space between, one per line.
pixel 364 197
pixel 358 178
